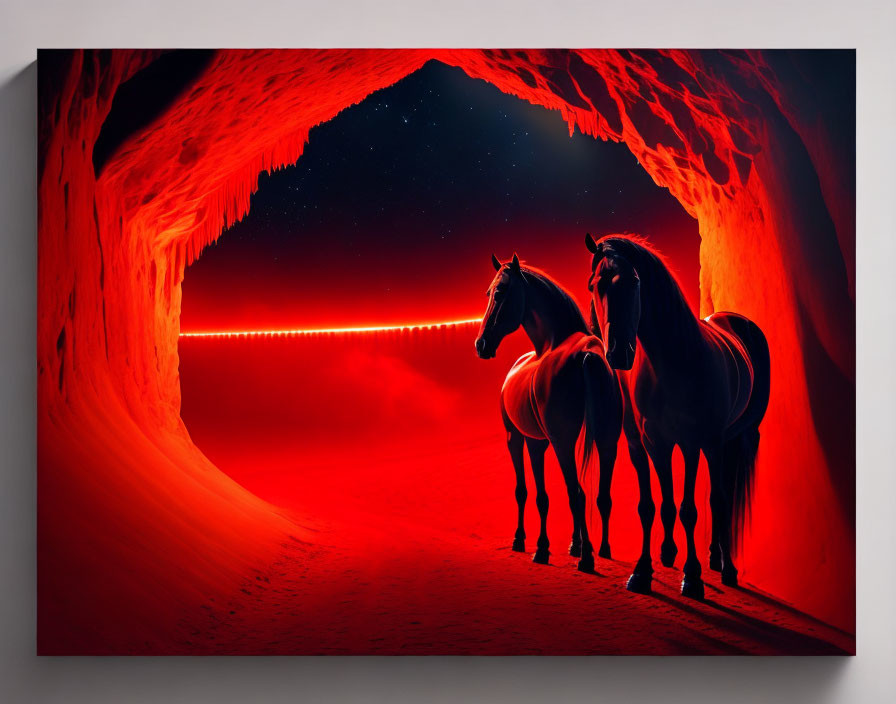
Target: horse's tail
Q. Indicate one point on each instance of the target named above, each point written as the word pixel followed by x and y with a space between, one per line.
pixel 591 418
pixel 739 457
pixel 602 415
pixel 740 450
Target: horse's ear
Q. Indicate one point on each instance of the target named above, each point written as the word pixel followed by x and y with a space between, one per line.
pixel 515 263
pixel 590 243
pixel 496 263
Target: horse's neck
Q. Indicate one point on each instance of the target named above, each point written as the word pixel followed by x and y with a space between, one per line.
pixel 539 333
pixel 544 331
pixel 668 333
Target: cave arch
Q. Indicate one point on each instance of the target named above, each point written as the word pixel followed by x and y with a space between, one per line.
pixel 725 132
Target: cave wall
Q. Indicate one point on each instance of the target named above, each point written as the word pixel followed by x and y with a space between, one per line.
pixel 747 150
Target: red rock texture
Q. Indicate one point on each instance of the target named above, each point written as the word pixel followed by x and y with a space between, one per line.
pixel 130 512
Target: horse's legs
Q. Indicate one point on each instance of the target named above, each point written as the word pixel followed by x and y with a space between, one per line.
pixel 662 465
pixel 566 457
pixel 715 554
pixel 575 543
pixel 642 576
pixel 604 411
pixel 607 455
pixel 717 511
pixel 537 448
pixel 515 446
pixel 692 584
pixel 720 502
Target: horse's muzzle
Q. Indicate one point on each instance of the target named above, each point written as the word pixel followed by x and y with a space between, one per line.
pixel 621 356
pixel 482 349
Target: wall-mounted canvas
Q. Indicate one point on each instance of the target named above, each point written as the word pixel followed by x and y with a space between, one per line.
pixel 498 351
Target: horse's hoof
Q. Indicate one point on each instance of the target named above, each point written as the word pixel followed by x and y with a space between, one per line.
pixel 692 587
pixel 586 564
pixel 668 553
pixel 519 545
pixel 639 583
pixel 541 556
pixel 729 577
pixel 715 562
pixel 604 552
pixel 575 549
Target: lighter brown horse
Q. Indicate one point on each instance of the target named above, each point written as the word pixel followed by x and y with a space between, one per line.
pixel 547 395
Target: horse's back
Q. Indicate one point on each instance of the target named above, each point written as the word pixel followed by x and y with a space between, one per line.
pixel 543 394
pixel 559 388
pixel 564 359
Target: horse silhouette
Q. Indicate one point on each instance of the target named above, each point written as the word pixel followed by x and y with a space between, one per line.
pixel 547 394
pixel 700 384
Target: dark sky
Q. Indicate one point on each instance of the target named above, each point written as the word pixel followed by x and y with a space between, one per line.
pixel 392 212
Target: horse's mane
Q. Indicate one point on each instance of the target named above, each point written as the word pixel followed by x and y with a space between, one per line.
pixel 566 315
pixel 659 283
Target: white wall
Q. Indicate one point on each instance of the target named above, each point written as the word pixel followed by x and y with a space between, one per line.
pixel 866 24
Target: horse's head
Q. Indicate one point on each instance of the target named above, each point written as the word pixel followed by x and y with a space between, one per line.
pixel 615 302
pixel 506 307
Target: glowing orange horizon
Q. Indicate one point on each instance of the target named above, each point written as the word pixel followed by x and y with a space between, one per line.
pixel 332 331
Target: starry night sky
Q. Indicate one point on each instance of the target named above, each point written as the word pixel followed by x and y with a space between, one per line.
pixel 392 212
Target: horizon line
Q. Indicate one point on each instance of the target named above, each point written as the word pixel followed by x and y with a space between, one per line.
pixel 331 331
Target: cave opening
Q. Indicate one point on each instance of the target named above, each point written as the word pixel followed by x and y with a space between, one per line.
pixel 411 189
pixel 389 217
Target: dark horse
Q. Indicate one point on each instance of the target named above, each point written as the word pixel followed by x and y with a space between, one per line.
pixel 548 393
pixel 699 384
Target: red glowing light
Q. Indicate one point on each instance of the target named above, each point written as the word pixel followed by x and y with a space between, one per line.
pixel 333 331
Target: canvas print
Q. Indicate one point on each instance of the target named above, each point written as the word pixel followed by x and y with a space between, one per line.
pixel 490 352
